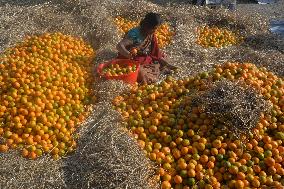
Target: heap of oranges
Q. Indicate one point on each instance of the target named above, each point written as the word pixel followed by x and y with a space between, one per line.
pixel 116 69
pixel 192 149
pixel 45 83
pixel 163 32
pixel 216 37
pixel 124 25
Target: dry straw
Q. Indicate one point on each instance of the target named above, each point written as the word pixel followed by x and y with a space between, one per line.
pixel 106 156
pixel 234 104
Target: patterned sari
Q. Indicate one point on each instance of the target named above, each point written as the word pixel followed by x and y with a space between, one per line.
pixel 148 50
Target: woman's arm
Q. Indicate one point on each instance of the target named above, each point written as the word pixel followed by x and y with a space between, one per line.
pixel 121 47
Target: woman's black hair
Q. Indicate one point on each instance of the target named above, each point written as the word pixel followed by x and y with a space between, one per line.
pixel 151 20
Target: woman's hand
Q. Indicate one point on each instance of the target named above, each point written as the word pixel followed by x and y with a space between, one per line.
pixel 121 47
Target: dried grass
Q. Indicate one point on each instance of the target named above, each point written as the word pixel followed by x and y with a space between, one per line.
pixel 107 157
pixel 17 172
pixel 234 104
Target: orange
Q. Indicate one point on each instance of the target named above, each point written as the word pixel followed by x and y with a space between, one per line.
pixel 32 155
pixel 134 51
pixel 239 184
pixel 191 173
pixel 269 161
pixel 203 159
pixel 178 179
pixel 166 185
pixel 3 148
pixel 167 177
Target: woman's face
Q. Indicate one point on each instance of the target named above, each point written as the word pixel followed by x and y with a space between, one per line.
pixel 149 31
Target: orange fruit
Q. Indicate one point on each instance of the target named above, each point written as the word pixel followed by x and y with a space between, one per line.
pixel 178 179
pixel 3 148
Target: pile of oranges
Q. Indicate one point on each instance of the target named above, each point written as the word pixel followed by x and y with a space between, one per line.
pixel 216 37
pixel 192 149
pixel 116 69
pixel 163 32
pixel 124 25
pixel 45 85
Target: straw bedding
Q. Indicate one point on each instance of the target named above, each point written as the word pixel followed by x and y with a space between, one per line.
pixel 107 157
pixel 233 104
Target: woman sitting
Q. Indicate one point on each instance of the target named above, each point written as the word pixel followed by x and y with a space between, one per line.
pixel 140 44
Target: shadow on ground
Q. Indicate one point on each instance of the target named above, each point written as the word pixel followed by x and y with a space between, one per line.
pixel 267 41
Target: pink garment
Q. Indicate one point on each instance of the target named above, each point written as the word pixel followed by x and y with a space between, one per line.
pixel 155 54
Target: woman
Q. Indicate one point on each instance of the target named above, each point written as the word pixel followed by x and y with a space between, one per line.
pixel 140 44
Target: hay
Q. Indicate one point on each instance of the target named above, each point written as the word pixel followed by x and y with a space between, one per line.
pixel 235 105
pixel 79 18
pixel 106 90
pixel 17 172
pixel 107 157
